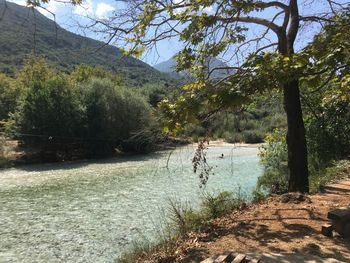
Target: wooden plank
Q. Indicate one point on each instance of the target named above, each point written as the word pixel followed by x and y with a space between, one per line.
pixel 255 260
pixel 227 257
pixel 341 214
pixel 208 260
pixel 239 258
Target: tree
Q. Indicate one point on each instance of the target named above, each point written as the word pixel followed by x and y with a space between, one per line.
pixel 50 112
pixel 208 28
pixel 10 91
pixel 326 95
pixel 113 116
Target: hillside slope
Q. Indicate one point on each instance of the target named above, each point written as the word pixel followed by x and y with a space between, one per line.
pixel 169 66
pixel 23 31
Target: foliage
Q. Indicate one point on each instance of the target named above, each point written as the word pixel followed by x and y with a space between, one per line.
pixel 50 111
pixel 185 218
pixel 273 156
pixel 34 69
pixel 88 109
pixel 326 96
pixel 326 107
pixel 248 124
pixel 3 160
pixel 221 204
pixel 9 92
pixel 84 72
pixel 334 171
pixel 112 113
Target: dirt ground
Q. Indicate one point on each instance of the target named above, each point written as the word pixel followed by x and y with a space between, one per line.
pixel 273 227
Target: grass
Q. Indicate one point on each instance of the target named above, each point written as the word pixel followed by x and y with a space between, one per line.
pixel 183 220
pixel 4 162
pixel 338 169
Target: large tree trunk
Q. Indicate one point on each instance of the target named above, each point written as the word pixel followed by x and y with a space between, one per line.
pixel 296 141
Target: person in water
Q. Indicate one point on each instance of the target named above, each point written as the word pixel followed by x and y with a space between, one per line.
pixel 221 156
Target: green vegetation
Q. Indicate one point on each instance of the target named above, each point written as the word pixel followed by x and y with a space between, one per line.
pixel 3 160
pixel 251 123
pixel 185 219
pixel 88 112
pixel 274 158
pixel 326 107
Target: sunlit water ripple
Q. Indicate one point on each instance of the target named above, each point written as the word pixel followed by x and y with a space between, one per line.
pixel 93 211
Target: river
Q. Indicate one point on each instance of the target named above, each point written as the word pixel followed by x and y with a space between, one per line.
pixel 92 211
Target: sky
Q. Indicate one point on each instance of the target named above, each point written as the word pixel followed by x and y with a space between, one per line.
pixel 72 17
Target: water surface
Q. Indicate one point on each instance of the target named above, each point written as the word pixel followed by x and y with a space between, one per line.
pixel 93 211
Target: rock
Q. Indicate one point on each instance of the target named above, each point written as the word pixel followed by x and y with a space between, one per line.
pixel 341 221
pixel 294 198
pixel 327 230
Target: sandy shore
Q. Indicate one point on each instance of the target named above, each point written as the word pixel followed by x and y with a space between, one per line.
pixel 222 143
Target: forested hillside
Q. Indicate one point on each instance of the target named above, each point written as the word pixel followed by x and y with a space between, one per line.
pixel 24 31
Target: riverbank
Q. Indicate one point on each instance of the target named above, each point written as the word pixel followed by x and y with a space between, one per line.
pixel 274 225
pixel 14 154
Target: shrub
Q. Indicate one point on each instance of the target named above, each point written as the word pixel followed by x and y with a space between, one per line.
pixel 223 203
pixel 253 136
pixel 336 170
pixel 258 195
pixel 113 116
pixel 273 156
pixel 10 91
pixel 185 219
pixel 232 137
pixel 49 113
pixel 3 159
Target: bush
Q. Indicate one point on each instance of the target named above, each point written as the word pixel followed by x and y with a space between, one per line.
pixel 336 170
pixel 185 218
pixel 232 137
pixel 273 156
pixel 113 116
pixel 50 112
pixel 253 136
pixel 97 114
pixel 10 91
pixel 223 203
pixel 3 160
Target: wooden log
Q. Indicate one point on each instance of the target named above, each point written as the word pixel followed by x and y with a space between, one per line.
pixel 239 258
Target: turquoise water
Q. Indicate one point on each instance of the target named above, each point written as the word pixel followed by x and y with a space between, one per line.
pixel 93 211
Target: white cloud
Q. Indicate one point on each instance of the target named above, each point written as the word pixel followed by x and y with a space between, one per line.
pixel 85 9
pixel 51 8
pixel 103 9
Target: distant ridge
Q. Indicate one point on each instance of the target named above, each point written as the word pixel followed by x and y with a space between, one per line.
pixel 169 67
pixel 19 26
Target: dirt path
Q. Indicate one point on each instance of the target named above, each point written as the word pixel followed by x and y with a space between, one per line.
pixel 276 227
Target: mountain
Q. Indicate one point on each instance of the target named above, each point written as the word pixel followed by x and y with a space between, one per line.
pixel 22 31
pixel 169 67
